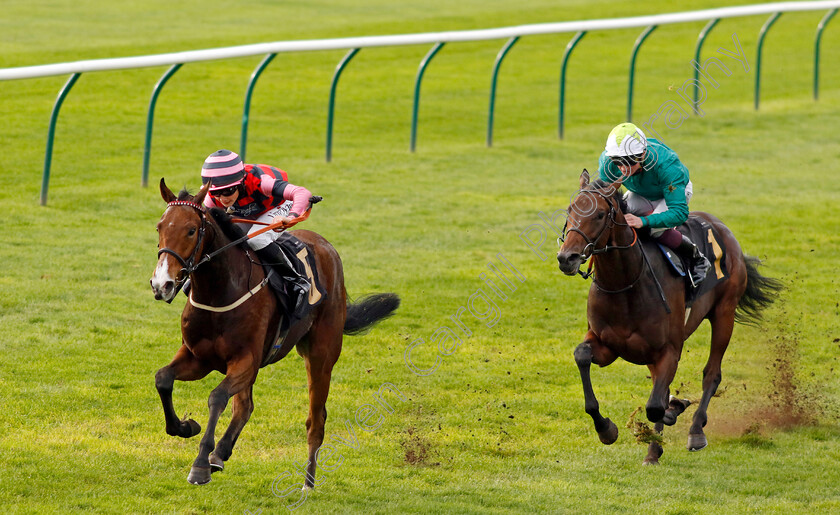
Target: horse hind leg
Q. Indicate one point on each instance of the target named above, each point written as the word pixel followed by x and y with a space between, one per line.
pixel 654 447
pixel 675 408
pixel 323 353
pixel 243 407
pixel 606 428
pixel 722 325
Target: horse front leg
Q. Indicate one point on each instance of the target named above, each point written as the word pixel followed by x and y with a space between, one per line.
pixel 662 373
pixel 243 406
pixel 184 367
pixel 606 428
pixel 241 374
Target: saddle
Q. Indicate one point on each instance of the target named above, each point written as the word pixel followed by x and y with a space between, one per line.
pixel 710 244
pixel 298 256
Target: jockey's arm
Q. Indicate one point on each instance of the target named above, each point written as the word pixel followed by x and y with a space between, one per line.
pixel 300 199
pixel 677 212
pixel 278 188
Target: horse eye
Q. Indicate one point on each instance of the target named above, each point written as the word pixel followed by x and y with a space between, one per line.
pixel 192 231
pixel 601 215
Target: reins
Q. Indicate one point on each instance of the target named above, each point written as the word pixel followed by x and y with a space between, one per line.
pixel 589 250
pixel 188 266
pixel 590 244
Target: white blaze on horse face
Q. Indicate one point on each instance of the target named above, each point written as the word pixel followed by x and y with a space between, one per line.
pixel 162 278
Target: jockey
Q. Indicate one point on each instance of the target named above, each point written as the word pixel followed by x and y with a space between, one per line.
pixel 658 190
pixel 261 193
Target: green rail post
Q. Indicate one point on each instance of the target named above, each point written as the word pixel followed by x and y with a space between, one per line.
pixel 246 111
pixel 45 181
pixel 827 18
pixel 569 47
pixel 700 40
pixel 420 71
pixel 495 76
pixel 331 108
pixel 769 23
pixel 150 119
pixel 641 39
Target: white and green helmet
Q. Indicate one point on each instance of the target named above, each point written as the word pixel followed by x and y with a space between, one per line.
pixel 626 140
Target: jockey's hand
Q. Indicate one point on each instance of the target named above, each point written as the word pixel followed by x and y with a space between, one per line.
pixel 633 221
pixel 285 219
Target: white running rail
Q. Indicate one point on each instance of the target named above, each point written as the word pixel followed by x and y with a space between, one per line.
pixel 29 72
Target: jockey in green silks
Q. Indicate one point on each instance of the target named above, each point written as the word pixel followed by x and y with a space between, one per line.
pixel 658 193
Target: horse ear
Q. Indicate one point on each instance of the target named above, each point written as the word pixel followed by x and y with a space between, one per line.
pixel 199 198
pixel 584 178
pixel 165 192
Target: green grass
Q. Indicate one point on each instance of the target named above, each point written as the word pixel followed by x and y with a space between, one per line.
pixel 499 426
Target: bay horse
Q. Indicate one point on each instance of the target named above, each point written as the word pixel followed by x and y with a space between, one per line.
pixel 231 324
pixel 637 310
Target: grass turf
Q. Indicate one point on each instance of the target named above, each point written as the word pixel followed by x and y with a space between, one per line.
pixel 499 426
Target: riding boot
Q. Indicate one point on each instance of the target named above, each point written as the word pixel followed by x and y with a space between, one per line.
pixel 287 279
pixel 698 263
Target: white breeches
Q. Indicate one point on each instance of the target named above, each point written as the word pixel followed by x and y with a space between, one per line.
pixel 264 239
pixel 640 206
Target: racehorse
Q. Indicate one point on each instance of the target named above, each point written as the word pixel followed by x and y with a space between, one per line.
pixel 231 324
pixel 637 310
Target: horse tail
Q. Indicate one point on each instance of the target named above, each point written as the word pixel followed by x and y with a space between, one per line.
pixel 368 310
pixel 761 292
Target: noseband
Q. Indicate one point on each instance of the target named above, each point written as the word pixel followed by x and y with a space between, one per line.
pixel 187 265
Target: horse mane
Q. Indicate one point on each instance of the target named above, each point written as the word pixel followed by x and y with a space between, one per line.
pixel 602 187
pixel 232 231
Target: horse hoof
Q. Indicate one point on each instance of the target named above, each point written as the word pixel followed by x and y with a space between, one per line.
pixel 655 414
pixel 696 442
pixel 189 428
pixel 216 464
pixel 199 476
pixel 609 435
pixel 650 461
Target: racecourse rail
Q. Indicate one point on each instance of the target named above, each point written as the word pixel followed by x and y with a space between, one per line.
pixel 439 39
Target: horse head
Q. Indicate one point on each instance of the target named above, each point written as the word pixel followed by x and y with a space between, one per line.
pixel 180 240
pixel 595 210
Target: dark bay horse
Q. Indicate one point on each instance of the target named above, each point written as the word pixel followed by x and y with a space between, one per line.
pixel 627 315
pixel 231 324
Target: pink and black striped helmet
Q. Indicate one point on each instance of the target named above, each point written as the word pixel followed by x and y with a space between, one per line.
pixel 222 169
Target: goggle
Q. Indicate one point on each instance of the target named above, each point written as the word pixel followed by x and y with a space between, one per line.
pixel 627 160
pixel 225 192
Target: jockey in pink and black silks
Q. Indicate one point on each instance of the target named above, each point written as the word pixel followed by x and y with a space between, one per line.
pixel 261 193
pixel 658 193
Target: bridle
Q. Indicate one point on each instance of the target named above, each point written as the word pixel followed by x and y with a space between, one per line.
pixel 609 222
pixel 188 265
pixel 590 250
